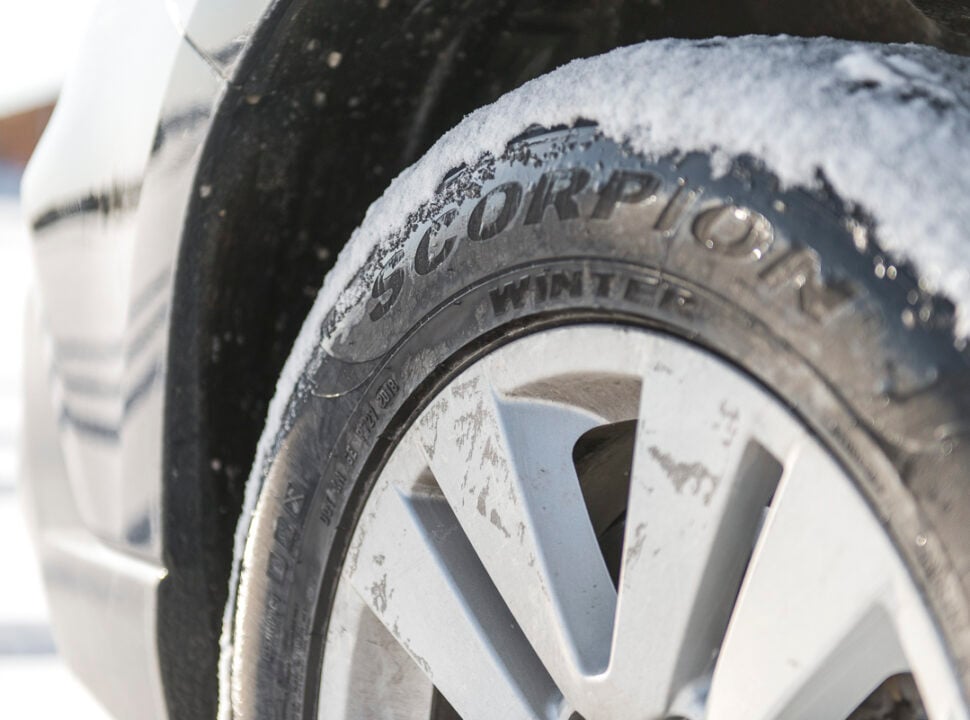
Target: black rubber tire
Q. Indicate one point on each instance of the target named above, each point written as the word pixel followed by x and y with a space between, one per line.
pixel 565 227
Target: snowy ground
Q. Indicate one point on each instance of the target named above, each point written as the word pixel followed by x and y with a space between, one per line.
pixel 34 683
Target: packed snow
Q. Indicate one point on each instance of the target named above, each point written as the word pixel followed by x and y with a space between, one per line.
pixel 887 126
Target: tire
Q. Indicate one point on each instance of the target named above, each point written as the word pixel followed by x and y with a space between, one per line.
pixel 568 228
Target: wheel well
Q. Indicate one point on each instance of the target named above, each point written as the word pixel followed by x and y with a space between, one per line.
pixel 332 101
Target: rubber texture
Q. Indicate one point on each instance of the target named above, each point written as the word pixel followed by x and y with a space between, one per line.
pixel 568 226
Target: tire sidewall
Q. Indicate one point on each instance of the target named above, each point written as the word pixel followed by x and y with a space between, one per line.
pixel 570 227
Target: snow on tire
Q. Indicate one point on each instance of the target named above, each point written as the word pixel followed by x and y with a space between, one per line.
pixel 793 207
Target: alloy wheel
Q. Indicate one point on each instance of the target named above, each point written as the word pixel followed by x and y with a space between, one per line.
pixel 606 522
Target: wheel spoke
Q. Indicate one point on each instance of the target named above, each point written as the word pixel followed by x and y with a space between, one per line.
pixel 812 633
pixel 416 571
pixel 366 673
pixel 505 466
pixel 699 488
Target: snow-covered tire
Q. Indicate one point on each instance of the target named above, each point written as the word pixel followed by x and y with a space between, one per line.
pixel 587 223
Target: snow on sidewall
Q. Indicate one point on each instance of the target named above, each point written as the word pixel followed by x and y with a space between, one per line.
pixel 888 126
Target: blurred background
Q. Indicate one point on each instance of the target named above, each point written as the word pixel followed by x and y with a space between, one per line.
pixel 38 40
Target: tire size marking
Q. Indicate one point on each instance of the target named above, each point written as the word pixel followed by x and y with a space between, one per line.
pixel 369 419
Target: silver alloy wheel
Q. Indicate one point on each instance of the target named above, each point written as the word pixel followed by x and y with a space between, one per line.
pixel 754 580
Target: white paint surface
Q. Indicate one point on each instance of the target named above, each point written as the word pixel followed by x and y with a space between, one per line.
pixel 34 682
